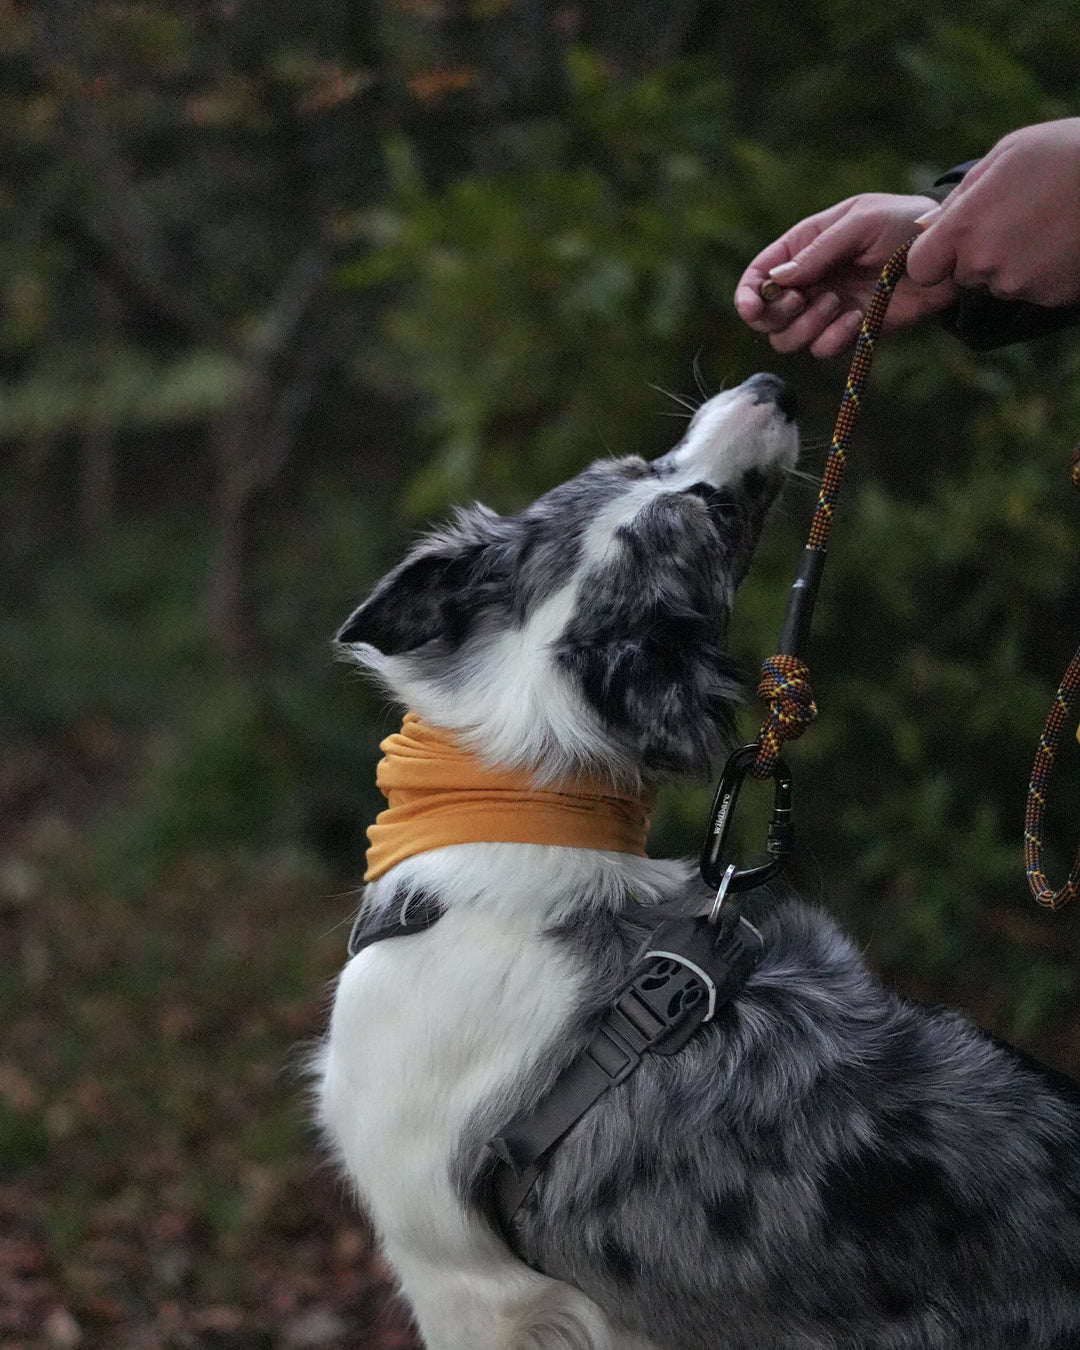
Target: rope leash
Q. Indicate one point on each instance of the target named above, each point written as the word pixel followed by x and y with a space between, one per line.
pixel 1049 744
pixel 785 678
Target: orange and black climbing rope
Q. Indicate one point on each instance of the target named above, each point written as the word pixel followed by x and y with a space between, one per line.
pixel 785 679
pixel 1049 745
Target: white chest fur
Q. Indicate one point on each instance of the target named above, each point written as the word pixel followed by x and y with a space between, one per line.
pixel 426 1028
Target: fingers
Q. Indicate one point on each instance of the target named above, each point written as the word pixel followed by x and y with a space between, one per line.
pixel 772 261
pixel 838 336
pixel 776 315
pixel 749 305
pixel 861 232
pixel 748 302
pixel 932 258
pixel 1012 227
pixel 775 263
pixel 826 326
pixel 828 265
pixel 820 257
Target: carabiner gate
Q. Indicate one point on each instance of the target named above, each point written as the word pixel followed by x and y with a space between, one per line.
pixel 781 837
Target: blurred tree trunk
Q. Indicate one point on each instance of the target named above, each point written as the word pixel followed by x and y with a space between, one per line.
pixel 253 442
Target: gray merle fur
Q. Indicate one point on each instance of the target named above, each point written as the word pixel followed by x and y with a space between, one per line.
pixel 826 1166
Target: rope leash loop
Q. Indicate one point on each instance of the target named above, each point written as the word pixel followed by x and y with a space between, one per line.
pixel 1049 745
pixel 785 678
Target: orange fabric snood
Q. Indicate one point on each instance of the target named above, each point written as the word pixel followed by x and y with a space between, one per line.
pixel 438 794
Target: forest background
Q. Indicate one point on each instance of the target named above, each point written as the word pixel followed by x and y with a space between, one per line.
pixel 281 283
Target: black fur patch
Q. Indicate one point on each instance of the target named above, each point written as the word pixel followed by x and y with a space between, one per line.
pixel 731 1218
pixel 619 1261
pixel 862 1192
pixel 644 641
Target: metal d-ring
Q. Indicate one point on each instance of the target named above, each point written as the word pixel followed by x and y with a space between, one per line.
pixel 728 878
pixel 721 895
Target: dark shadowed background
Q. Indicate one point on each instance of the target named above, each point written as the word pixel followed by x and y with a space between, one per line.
pixel 282 282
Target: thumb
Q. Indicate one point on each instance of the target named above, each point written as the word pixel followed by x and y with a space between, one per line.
pixel 933 255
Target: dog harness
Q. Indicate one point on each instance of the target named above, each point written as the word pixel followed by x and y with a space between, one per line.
pixel 686 971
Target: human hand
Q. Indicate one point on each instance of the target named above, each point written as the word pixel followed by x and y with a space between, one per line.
pixel 1013 224
pixel 829 265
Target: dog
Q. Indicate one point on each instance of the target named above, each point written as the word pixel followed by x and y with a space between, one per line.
pixel 823 1165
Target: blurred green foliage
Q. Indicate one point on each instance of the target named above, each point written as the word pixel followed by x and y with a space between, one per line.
pixel 278 288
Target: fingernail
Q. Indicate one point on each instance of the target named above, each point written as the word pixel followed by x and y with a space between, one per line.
pixel 783 270
pixel 926 217
pixel 830 302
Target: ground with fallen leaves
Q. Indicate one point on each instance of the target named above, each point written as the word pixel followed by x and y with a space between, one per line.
pixel 160 1185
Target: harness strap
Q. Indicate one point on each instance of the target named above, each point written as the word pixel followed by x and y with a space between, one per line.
pixel 526 1143
pixel 419 912
pixel 688 970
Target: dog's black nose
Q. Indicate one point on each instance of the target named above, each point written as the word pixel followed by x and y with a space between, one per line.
pixel 772 389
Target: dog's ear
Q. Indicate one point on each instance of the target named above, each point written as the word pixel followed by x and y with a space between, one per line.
pixel 437 592
pixel 417 602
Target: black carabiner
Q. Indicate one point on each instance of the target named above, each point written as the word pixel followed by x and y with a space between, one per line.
pixel 781 838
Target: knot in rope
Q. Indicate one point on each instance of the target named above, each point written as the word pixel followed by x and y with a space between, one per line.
pixel 785 687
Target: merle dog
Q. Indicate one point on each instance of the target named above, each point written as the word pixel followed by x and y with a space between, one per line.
pixel 824 1164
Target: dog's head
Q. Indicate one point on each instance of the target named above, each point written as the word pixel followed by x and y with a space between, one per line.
pixel 586 634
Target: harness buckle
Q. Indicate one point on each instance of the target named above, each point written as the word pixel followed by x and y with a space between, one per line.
pixel 687 969
pixel 781 836
pixel 690 969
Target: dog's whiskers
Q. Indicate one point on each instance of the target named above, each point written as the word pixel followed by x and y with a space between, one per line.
pixel 686 403
pixel 699 379
pixel 804 476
